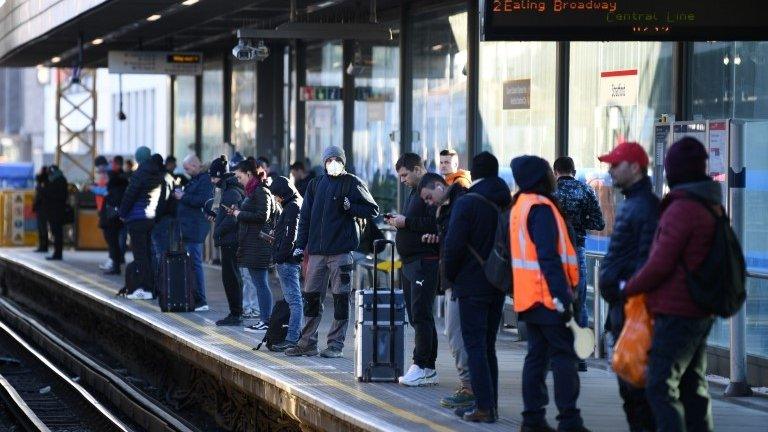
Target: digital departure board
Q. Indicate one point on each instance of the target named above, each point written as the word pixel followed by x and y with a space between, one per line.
pixel 596 20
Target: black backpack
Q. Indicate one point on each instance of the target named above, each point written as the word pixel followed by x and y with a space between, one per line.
pixel 278 325
pixel 718 286
pixel 497 267
pixel 131 279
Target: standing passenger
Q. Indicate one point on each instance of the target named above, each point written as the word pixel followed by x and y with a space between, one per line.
pixel 633 232
pixel 194 225
pixel 419 274
pixel 111 224
pixel 41 182
pixel 255 219
pixel 676 386
pixel 473 226
pixel 54 203
pixel 288 267
pixel 582 210
pixel 449 168
pixel 327 228
pixel 225 234
pixel 545 272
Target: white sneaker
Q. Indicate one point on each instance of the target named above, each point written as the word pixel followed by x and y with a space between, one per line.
pixel 258 327
pixel 202 308
pixel 140 294
pixel 418 377
pixel 106 265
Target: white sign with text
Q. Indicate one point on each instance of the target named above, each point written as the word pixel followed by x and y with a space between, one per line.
pixel 619 87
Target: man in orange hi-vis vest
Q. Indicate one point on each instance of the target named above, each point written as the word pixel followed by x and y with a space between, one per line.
pixel 545 271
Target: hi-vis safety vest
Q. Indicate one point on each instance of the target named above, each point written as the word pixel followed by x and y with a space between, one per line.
pixel 530 286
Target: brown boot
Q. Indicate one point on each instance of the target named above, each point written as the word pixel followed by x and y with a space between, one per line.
pixel 478 415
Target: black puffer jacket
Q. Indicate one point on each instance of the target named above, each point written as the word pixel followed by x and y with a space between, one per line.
pixel 288 222
pixel 633 232
pixel 55 195
pixel 225 228
pixel 258 213
pixel 442 217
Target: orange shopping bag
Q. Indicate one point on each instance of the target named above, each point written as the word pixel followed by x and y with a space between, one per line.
pixel 630 355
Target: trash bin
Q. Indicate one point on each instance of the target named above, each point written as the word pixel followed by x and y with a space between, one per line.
pixel 88 235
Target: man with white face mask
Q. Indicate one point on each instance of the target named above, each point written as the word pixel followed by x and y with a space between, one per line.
pixel 327 235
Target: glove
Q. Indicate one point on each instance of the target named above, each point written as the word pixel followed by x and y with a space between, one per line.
pixel 566 312
pixel 298 253
pixel 346 205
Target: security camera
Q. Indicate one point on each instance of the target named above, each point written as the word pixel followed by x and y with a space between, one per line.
pixel 261 52
pixel 244 51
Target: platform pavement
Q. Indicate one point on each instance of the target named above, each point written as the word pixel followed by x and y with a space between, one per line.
pixel 600 402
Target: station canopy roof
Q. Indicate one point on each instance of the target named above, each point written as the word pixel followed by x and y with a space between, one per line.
pixel 34 33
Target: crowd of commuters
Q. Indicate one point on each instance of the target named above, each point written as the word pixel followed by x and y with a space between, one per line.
pixel 260 219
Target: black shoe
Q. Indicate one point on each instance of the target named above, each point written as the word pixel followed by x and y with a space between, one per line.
pixel 582 366
pixel 54 258
pixel 463 410
pixel 282 346
pixel 331 352
pixel 478 416
pixel 230 320
pixel 541 428
pixel 112 271
pixel 299 351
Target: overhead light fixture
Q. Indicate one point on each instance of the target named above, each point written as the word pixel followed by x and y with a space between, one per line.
pixel 154 17
pixel 737 60
pixel 189 2
pixel 97 41
pixel 726 60
pixel 55 59
pixel 43 75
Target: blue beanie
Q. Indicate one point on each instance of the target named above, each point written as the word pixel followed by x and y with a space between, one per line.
pixel 528 171
pixel 142 154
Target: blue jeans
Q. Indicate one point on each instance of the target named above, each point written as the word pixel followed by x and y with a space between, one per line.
pixel 261 283
pixel 580 305
pixel 160 239
pixel 195 251
pixel 250 302
pixel 289 281
pixel 480 319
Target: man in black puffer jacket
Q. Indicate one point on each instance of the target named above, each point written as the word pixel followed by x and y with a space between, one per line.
pixel 633 232
pixel 329 233
pixel 225 231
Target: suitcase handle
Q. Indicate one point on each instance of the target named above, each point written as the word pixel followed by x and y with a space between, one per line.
pixel 379 246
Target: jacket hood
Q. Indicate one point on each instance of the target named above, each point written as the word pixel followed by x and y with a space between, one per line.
pixel 495 189
pixel 229 181
pixel 283 188
pixel 710 190
pixel 451 178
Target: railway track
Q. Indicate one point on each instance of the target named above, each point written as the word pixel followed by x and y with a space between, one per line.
pixel 42 396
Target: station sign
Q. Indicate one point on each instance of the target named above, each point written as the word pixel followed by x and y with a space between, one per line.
pixel 618 88
pixel 155 63
pixel 335 93
pixel 612 20
pixel 517 94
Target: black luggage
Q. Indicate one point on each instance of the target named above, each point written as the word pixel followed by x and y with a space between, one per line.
pixel 176 284
pixel 278 325
pixel 379 323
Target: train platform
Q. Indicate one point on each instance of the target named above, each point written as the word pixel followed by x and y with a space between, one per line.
pixel 323 394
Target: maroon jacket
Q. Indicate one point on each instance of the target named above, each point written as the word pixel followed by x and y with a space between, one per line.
pixel 685 232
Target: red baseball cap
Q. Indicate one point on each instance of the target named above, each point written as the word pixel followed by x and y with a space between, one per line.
pixel 631 152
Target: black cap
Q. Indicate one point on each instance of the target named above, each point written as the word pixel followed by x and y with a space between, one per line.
pixel 484 165
pixel 528 171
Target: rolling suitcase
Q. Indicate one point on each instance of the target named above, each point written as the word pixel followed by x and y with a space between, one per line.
pixel 379 322
pixel 176 284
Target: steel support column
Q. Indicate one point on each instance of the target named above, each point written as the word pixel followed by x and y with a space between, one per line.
pixel 300 69
pixel 76 123
pixel 406 78
pixel 562 65
pixel 474 128
pixel 199 115
pixel 348 100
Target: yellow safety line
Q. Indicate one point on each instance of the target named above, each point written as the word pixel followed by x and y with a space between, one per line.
pixel 316 375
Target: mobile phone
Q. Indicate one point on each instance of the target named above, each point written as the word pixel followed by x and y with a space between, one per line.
pixel 388 216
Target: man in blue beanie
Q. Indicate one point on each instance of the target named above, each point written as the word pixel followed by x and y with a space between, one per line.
pixel 328 233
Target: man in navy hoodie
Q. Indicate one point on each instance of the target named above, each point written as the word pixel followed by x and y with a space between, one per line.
pixel 473 225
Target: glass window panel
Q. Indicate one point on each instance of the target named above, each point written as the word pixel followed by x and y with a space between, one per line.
pixel 213 112
pixel 594 127
pixel 377 117
pixel 440 86
pixel 729 80
pixel 183 116
pixel 244 107
pixel 511 132
pixel 324 118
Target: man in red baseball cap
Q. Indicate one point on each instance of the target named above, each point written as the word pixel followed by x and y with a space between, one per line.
pixel 631 239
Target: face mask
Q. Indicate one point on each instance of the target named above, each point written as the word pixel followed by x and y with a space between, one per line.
pixel 334 168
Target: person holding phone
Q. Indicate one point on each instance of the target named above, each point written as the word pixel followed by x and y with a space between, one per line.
pixel 256 214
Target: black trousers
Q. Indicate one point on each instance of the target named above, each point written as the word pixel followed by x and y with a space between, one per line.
pixel 57 229
pixel 42 231
pixel 419 281
pixel 112 237
pixel 231 278
pixel 141 245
